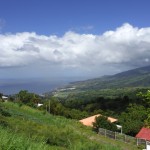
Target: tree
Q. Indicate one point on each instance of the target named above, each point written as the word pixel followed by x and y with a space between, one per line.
pixel 1 94
pixel 28 98
pixel 145 97
pixel 133 119
pixel 103 122
pixel 147 121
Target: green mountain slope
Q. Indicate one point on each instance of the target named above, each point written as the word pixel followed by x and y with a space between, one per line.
pixel 139 77
pixel 23 128
pixel 124 83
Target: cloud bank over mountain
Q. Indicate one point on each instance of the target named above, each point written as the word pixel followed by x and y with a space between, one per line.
pixel 126 46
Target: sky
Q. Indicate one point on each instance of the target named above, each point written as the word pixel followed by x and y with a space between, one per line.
pixel 73 38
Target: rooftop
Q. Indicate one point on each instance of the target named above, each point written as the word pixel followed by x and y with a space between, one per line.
pixel 89 121
pixel 144 133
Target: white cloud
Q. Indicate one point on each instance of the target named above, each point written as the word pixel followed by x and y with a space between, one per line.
pixel 126 46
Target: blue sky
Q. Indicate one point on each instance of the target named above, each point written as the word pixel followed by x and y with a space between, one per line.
pixel 90 38
pixel 58 16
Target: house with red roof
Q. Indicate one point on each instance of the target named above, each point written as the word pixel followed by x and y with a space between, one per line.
pixel 144 133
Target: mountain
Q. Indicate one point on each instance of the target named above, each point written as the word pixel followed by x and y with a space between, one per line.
pixel 139 77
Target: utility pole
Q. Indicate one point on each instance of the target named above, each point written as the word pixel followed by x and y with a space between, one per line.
pixel 46 108
pixel 49 107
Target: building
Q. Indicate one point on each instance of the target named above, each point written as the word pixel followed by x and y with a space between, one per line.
pixel 89 121
pixel 5 98
pixel 144 133
pixel 39 105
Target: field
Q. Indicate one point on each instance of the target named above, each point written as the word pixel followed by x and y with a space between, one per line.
pixel 22 127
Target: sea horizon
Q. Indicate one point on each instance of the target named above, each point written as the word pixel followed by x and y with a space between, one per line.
pixel 35 85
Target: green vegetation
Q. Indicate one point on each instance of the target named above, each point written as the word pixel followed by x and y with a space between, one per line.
pixel 131 111
pixel 26 97
pixel 13 141
pixel 146 100
pixel 124 96
pixel 22 127
pixel 125 108
pixel 103 122
pixel 133 118
pixel 109 86
pixel 57 108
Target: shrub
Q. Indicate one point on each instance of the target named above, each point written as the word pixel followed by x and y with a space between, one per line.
pixel 103 122
pixel 4 113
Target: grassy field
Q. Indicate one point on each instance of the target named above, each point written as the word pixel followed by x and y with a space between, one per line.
pixel 25 128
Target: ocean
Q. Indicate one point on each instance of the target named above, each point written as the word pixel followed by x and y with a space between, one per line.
pixel 39 86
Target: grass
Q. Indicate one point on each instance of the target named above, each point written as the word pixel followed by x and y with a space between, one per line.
pixel 25 128
pixel 13 141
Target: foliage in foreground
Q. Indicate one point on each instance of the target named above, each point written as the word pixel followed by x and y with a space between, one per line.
pixel 27 128
pixel 11 141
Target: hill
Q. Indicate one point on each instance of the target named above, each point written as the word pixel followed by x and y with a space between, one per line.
pixel 139 77
pixel 22 127
pixel 131 79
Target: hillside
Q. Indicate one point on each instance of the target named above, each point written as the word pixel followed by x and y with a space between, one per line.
pixel 131 79
pixel 139 77
pixel 22 127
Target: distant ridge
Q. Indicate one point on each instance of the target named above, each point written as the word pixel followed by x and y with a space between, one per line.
pixel 134 72
pixel 139 77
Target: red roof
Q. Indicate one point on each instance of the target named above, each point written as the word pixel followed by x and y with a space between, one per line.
pixel 144 133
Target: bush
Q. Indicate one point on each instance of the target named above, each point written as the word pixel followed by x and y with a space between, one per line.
pixel 103 122
pixel 4 113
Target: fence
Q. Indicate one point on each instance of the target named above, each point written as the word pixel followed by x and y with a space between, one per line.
pixel 123 137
